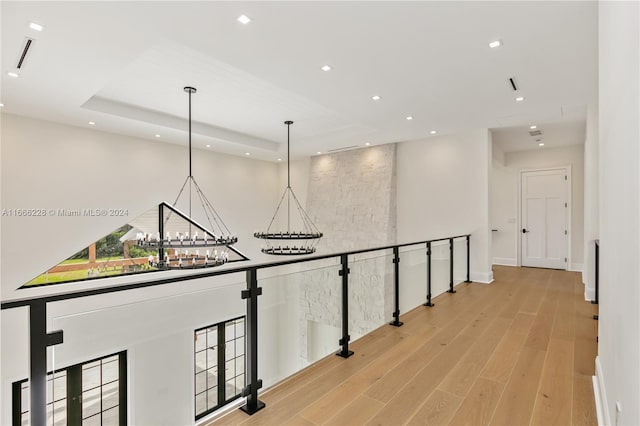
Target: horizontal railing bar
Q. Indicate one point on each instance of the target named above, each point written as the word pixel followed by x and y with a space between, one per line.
pixel 163 281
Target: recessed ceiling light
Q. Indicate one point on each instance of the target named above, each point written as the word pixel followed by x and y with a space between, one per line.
pixel 325 68
pixel 520 99
pixel 433 132
pixel 35 26
pixel 244 19
pixel 92 123
pixel 376 98
pixel 247 153
pixel 279 159
pixel 533 127
pixel 208 146
pixel 157 136
pixel 319 152
pixel 409 117
pixel 367 144
pixel 541 144
pixel 13 74
pixel 1 104
pixel 495 44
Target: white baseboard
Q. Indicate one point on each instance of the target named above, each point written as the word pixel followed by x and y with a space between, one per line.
pixel 589 294
pixel 481 277
pixel 576 267
pixel 505 261
pixel 600 394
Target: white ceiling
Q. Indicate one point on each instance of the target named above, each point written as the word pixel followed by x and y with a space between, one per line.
pixel 123 65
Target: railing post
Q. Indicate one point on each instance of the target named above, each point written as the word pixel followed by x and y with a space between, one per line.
pixel 396 284
pixel 38 362
pixel 451 290
pixel 429 275
pixel 251 294
pixel 344 342
pixel 468 258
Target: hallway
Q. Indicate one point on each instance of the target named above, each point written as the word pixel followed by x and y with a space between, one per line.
pixel 517 352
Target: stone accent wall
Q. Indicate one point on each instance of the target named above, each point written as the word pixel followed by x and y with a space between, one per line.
pixel 352 200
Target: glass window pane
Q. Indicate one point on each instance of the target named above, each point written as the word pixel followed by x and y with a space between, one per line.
pixel 201 382
pixel 92 421
pixel 110 359
pixel 201 361
pixel 240 384
pixel 229 332
pixel 25 397
pixel 212 336
pixel 90 377
pixel 49 389
pixel 110 395
pixel 200 340
pixel 60 413
pixel 230 389
pixel 201 403
pixel 25 419
pixel 111 417
pixel 90 402
pixel 230 351
pixel 212 398
pixel 212 377
pixel 239 347
pixel 110 371
pixel 49 414
pixel 240 328
pixel 230 369
pixel 91 364
pixel 212 357
pixel 240 365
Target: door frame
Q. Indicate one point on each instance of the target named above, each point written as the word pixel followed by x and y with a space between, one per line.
pixel 567 170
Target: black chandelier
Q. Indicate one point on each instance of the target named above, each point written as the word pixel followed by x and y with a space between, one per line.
pixel 181 242
pixel 301 241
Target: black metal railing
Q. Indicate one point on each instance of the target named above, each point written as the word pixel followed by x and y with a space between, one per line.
pixel 40 339
pixel 597 276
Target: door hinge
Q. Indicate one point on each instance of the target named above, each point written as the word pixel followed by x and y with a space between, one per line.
pixel 565 260
pixel 565 232
pixel 565 177
pixel 565 205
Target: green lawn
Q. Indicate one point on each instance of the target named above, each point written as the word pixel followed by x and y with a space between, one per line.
pixel 77 261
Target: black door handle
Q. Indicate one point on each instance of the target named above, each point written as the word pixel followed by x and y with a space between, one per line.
pixel 524 231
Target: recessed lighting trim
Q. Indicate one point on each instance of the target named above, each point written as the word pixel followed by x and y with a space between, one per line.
pixel 376 97
pixel 92 123
pixel 326 68
pixel 319 152
pixel 541 144
pixel 533 127
pixel 13 74
pixel 244 19
pixel 208 146
pixel 35 26
pixel 520 99
pixel 279 159
pixel 409 117
pixel 157 135
pixel 496 43
pixel 367 144
pixel 247 153
pixel 1 104
pixel 433 132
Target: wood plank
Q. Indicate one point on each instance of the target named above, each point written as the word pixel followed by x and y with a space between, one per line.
pixel 356 413
pixel 499 367
pixel 540 332
pixel 478 407
pixel 437 410
pixel 465 373
pixel 555 394
pixel 584 410
pixel 517 401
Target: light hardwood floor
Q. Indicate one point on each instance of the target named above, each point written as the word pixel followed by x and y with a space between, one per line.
pixel 520 351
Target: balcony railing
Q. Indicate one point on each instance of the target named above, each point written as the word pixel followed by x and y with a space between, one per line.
pixel 342 295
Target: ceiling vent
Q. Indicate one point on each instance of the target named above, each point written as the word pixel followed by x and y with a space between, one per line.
pixel 512 83
pixel 28 44
pixel 343 148
pixel 535 132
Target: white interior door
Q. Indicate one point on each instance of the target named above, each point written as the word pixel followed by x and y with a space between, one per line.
pixel 544 218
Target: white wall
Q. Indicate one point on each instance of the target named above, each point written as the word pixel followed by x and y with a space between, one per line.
pixel 504 181
pixel 443 189
pixel 591 200
pixel 618 362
